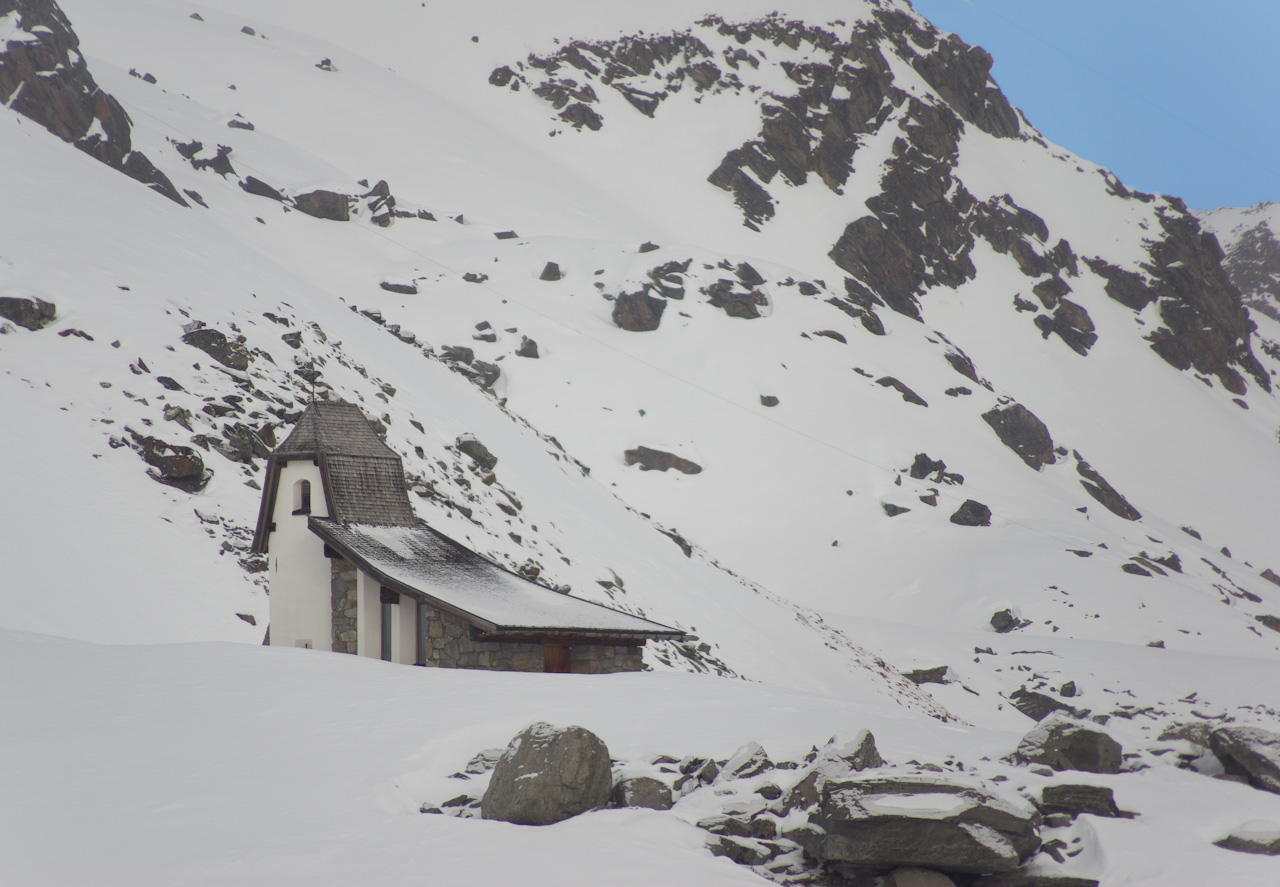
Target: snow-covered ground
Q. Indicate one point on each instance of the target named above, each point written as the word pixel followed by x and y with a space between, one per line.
pixel 189 762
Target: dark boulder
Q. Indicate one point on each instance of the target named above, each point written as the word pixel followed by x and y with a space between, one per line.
pixel 548 774
pixel 404 289
pixel 528 348
pixel 1020 430
pixel 324 205
pixel 972 513
pixel 1066 744
pixel 31 314
pixel 657 460
pixel 258 188
pixel 1036 706
pixel 551 271
pixel 1251 752
pixel 638 312
pixel 478 452
pixel 907 394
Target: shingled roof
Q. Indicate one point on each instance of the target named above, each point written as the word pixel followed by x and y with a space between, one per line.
pixel 424 563
pixel 363 477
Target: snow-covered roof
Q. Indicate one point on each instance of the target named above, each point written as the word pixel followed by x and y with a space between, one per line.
pixel 421 561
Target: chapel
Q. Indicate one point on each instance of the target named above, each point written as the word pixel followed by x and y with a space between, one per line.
pixel 353 570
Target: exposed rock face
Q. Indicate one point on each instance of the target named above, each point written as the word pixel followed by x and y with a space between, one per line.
pixel 31 314
pixel 907 394
pixel 548 774
pixel 44 76
pixel 1250 752
pixel 638 312
pixel 1065 744
pixel 1020 430
pixel 215 344
pixel 834 761
pixel 176 466
pixel 904 821
pixel 657 460
pixel 1097 487
pixel 641 791
pixel 478 452
pixel 736 299
pixel 324 205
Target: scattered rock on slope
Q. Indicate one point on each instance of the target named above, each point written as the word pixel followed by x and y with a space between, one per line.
pixel 478 452
pixel 1256 836
pixel 972 514
pixel 657 460
pixel 548 774
pixel 324 205
pixel 641 791
pixel 638 312
pixel 215 344
pixel 1097 487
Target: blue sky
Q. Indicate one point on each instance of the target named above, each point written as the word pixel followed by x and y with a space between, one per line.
pixel 1174 96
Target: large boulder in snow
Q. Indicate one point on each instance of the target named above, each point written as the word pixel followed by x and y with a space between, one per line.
pixel 886 822
pixel 1063 743
pixel 548 774
pixel 1250 752
pixel 1020 430
pixel 1256 836
pixel 658 460
pixel 834 761
pixel 324 205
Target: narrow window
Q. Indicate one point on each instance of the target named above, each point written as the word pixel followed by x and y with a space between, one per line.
pixel 389 599
pixel 302 497
pixel 420 655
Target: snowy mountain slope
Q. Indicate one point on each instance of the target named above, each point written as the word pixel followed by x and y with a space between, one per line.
pixel 818 468
pixel 1248 237
pixel 904 317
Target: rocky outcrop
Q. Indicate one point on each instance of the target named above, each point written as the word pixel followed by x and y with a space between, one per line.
pixel 548 774
pixel 657 460
pixel 44 76
pixel 886 822
pixel 1096 800
pixel 1021 431
pixel 228 352
pixel 31 314
pixel 638 312
pixel 172 464
pixel 1256 836
pixel 478 452
pixel 1252 249
pixel 324 205
pixel 1097 487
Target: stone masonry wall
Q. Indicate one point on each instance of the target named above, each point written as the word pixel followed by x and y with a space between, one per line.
pixel 342 596
pixel 449 645
pixel 604 659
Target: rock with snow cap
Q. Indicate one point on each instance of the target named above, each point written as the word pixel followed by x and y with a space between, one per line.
pixel 1064 743
pixel 1250 752
pixel 890 821
pixel 548 774
pixel 1256 836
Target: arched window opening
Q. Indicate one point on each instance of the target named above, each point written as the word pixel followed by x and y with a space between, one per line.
pixel 302 497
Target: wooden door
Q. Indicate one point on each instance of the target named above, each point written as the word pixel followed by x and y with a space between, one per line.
pixel 555 659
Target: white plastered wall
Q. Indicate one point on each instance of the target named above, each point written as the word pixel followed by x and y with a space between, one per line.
pixel 299 571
